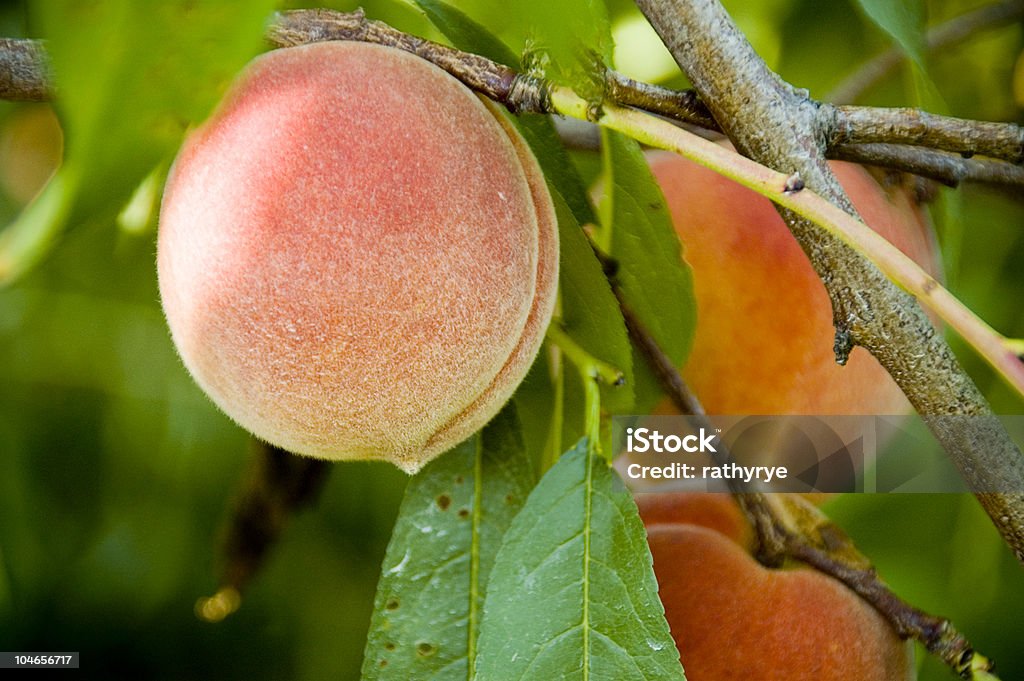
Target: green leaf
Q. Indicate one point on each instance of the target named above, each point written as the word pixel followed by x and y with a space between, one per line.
pixel 904 21
pixel 654 280
pixel 428 605
pixel 540 134
pixel 564 39
pixel 590 312
pixel 466 34
pixel 130 77
pixel 560 39
pixel 572 593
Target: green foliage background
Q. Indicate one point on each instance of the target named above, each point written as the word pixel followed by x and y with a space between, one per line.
pixel 116 472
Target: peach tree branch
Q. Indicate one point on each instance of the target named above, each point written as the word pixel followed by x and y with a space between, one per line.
pixel 681 105
pixel 777 125
pixel 496 81
pixel 24 76
pixel 936 147
pixel 805 534
pixel 24 71
pixel 948 168
pixel 866 125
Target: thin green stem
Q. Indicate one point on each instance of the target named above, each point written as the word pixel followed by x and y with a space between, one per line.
pixel 593 371
pixel 593 367
pixel 592 410
pixel 902 270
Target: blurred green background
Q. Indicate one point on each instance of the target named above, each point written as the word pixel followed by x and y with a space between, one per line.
pixel 116 472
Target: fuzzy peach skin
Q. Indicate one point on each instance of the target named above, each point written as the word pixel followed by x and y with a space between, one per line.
pixel 764 322
pixel 731 618
pixel 715 511
pixel 357 259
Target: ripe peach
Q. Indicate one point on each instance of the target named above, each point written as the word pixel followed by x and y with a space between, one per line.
pixel 357 257
pixel 731 618
pixel 763 339
pixel 714 511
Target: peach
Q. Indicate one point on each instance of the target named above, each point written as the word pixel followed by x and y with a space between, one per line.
pixel 731 618
pixel 763 341
pixel 714 511
pixel 357 257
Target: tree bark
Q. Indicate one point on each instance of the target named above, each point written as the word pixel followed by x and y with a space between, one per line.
pixel 777 125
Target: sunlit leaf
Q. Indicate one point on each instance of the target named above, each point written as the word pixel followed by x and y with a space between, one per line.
pixel 561 39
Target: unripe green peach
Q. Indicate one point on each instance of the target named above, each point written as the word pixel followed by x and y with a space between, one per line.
pixel 764 321
pixel 732 618
pixel 357 256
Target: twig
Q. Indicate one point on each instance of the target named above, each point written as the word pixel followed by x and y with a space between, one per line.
pixel 945 167
pixel 866 125
pixel 277 485
pixel 953 32
pixel 593 373
pixel 806 535
pixel 518 92
pixel 591 366
pixel 23 75
pixel 24 71
pixel 787 526
pixel 895 265
pixel 680 105
pixel 951 170
pixel 664 369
